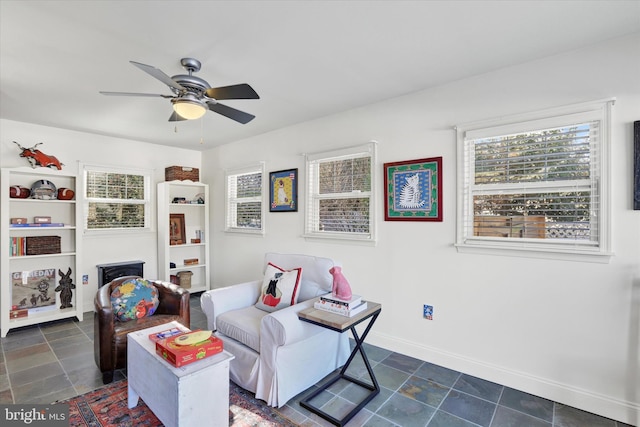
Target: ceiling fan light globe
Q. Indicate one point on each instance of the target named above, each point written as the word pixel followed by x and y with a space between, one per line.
pixel 189 109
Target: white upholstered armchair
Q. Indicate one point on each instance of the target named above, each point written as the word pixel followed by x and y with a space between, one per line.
pixel 277 356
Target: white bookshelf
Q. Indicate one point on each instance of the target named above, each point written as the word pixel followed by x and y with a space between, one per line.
pixel 196 217
pixel 68 212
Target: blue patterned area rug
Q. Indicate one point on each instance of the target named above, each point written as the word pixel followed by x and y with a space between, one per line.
pixel 107 407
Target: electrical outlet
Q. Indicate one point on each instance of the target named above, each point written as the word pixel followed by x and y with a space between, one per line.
pixel 427 312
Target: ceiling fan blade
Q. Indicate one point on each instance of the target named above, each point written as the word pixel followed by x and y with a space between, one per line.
pixel 240 91
pixel 175 117
pixel 135 94
pixel 158 74
pixel 232 113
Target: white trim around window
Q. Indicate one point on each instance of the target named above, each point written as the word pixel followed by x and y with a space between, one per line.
pixel 537 185
pixel 113 200
pixel 245 199
pixel 340 194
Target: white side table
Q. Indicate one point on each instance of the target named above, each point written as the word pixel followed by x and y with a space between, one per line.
pixel 193 395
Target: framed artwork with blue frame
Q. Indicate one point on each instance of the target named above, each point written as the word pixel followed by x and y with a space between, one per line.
pixel 413 190
pixel 283 191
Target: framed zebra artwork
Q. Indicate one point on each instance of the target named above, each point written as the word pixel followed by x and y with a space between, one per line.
pixel 413 190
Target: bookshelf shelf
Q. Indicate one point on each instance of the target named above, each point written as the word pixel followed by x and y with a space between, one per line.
pixel 20 282
pixel 196 224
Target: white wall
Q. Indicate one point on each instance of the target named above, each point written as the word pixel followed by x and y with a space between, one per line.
pixel 73 147
pixel 567 331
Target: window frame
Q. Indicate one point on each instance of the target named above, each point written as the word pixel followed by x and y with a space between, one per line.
pixel 600 183
pixel 148 200
pixel 312 197
pixel 230 222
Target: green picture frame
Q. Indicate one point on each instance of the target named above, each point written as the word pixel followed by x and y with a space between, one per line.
pixel 413 190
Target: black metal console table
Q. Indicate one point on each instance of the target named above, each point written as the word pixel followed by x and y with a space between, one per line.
pixel 339 323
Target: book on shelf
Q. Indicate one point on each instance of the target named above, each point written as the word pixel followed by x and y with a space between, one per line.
pixel 354 301
pixel 341 311
pixel 17 246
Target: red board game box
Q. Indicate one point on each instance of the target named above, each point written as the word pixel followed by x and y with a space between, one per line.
pixel 180 355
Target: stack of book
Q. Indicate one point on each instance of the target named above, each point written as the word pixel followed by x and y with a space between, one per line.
pixel 348 308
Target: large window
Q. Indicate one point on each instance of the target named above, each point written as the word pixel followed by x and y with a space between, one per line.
pixel 116 199
pixel 537 184
pixel 245 199
pixel 340 193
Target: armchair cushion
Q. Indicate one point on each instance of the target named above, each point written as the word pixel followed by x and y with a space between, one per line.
pixel 242 325
pixel 279 288
pixel 310 289
pixel 133 299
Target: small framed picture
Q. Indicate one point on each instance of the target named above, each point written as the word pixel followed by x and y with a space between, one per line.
pixel 413 190
pixel 283 191
pixel 177 234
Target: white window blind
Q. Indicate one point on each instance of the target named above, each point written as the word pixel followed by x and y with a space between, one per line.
pixel 116 199
pixel 536 185
pixel 340 202
pixel 245 204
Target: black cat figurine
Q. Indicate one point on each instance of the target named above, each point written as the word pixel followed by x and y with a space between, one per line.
pixel 64 288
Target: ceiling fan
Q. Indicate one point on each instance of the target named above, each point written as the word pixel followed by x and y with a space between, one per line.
pixel 192 96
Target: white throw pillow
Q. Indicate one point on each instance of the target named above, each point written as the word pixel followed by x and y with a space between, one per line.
pixel 279 288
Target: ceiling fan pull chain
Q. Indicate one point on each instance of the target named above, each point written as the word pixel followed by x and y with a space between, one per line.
pixel 201 130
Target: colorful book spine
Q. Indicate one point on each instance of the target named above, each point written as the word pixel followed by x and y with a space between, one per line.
pixel 341 311
pixel 17 246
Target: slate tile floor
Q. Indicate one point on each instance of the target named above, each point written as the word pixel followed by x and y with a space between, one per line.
pixel 49 362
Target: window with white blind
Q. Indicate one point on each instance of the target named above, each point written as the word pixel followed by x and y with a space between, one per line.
pixel 536 184
pixel 340 193
pixel 116 199
pixel 245 199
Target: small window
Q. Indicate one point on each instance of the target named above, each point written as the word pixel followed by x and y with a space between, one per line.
pixel 340 194
pixel 116 199
pixel 536 185
pixel 245 204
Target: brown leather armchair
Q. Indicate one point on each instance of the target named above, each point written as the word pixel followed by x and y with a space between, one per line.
pixel 110 339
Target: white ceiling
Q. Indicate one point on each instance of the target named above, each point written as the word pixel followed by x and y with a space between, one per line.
pixel 306 59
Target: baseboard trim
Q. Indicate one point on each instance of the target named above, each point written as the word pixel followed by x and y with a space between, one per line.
pixel 621 410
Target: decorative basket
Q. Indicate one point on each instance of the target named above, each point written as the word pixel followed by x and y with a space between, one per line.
pixel 184 279
pixel 181 173
pixel 41 245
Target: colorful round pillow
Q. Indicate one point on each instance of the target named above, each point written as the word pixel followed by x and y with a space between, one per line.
pixel 134 299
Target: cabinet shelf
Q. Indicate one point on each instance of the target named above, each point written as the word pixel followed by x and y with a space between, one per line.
pixel 54 201
pixel 187 267
pixel 44 316
pixel 66 227
pixel 43 268
pixel 186 245
pixel 196 222
pixel 43 255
